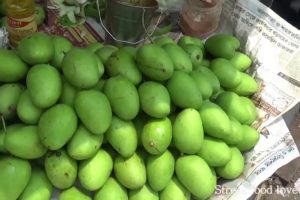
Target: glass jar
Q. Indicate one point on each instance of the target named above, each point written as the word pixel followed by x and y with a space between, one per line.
pixel 199 18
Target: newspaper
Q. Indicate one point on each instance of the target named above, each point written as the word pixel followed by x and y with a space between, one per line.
pixel 274 46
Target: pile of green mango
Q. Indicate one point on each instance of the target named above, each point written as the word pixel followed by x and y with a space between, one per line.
pixel 161 121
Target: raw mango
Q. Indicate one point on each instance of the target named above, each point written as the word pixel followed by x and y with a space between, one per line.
pixel 105 52
pixel 84 144
pixel 211 78
pixel 123 97
pixel 236 135
pixel 80 68
pixel 195 53
pixel 160 169
pixel 100 67
pixel 36 48
pixel 143 193
pixel 188 131
pixel 122 136
pixel 251 109
pixel 215 121
pixel 14 176
pixel 111 190
pixel 192 171
pixel 241 61
pixel 130 172
pixel 157 135
pixel 175 190
pixel 68 93
pixel 61 47
pixel 234 167
pixel 74 194
pixel 60 169
pixel 27 111
pixel 12 68
pixel 9 96
pixel 228 76
pixel 93 47
pixel 94 172
pixel 44 85
pixel 24 142
pixel 250 138
pixel 94 111
pixel 215 152
pixel 185 40
pixel 184 91
pixel 57 125
pixel 180 58
pixel 203 85
pixel 154 62
pixel 121 63
pixel 38 187
pixel 247 86
pixel 130 50
pixel 164 40
pixel 222 45
pixel 155 99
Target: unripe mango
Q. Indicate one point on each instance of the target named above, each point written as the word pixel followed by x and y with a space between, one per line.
pixel 236 135
pixel 203 85
pixel 251 109
pixel 123 97
pixel 74 194
pixel 68 93
pixel 155 99
pixel 93 47
pixel 175 190
pixel 111 190
pixel 143 193
pixel 241 61
pixel 130 172
pixel 94 111
pixel 105 52
pixel 122 136
pixel 250 138
pixel 211 78
pixel 164 40
pixel 185 40
pixel 247 86
pixel 61 47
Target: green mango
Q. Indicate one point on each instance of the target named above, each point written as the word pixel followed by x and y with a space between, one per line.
pixel 180 58
pixel 130 172
pixel 130 50
pixel 215 121
pixel 231 103
pixel 84 144
pixel 155 99
pixel 111 190
pixel 105 52
pixel 95 171
pixel 39 186
pixel 87 104
pixel 36 48
pixel 57 126
pixel 121 92
pixel 122 63
pixel 192 171
pixel 188 131
pixel 61 169
pixel 68 93
pixel 222 45
pixel 241 61
pixel 14 176
pixel 195 53
pixel 215 152
pixel 234 168
pixel 211 78
pixel 247 86
pixel 157 135
pixel 186 40
pixel 61 47
pixel 236 135
pixel 160 169
pixel 184 91
pixel 44 85
pixel 228 76
pixel 175 190
pixel 80 68
pixel 251 109
pixel 12 68
pixel 143 193
pixel 100 68
pixel 24 142
pixel 250 138
pixel 154 62
pixel 9 96
pixel 27 112
pixel 122 136
pixel 164 40
pixel 203 85
pixel 74 194
pixel 93 47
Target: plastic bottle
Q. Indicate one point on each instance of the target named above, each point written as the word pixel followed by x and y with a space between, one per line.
pixel 20 20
